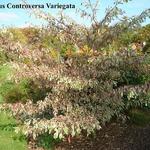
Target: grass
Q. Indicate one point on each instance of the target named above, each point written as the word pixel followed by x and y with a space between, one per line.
pixel 9 140
pixel 5 71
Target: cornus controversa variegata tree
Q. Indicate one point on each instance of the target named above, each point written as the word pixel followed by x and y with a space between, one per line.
pixel 85 92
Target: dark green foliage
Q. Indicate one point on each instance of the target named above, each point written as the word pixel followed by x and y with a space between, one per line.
pixel 133 72
pixel 47 141
pixel 35 92
pixel 12 92
pixel 21 92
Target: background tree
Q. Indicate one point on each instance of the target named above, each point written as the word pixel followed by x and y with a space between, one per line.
pixel 100 32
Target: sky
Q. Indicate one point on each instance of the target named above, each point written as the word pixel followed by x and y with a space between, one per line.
pixel 21 17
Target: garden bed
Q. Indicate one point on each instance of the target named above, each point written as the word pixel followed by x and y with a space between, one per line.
pixel 112 137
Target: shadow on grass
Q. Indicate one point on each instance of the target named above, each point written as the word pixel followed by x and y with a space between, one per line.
pixel 140 117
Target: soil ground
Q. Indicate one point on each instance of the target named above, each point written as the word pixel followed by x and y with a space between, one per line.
pixel 112 137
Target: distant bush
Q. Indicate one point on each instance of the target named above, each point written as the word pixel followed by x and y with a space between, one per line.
pixel 21 92
pixel 12 92
pixel 9 91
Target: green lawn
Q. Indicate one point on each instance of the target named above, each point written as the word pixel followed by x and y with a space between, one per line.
pixel 9 140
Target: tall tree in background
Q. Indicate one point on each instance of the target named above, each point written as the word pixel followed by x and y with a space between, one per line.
pixel 100 32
